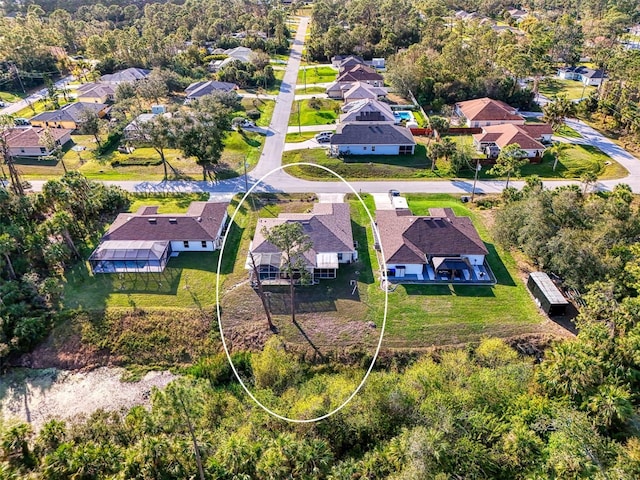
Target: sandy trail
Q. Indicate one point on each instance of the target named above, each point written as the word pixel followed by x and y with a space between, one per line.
pixel 36 396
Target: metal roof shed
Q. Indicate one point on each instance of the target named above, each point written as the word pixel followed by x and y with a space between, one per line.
pixel 547 294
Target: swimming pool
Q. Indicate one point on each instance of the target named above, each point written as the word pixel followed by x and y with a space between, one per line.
pixel 403 115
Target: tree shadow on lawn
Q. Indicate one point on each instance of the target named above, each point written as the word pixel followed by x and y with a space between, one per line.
pixel 364 257
pixel 314 298
pixel 231 248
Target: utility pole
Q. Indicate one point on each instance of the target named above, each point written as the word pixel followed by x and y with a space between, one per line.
pixel 246 181
pixel 475 179
pixel 299 128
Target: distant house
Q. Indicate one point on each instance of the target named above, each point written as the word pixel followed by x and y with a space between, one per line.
pixel 517 14
pixel 361 73
pixel 635 30
pixel 25 142
pixel 200 89
pixel 130 75
pixel 242 54
pixel 530 137
pixel 367 111
pixel 145 240
pixel 69 116
pixel 96 93
pixel 363 91
pixel 372 139
pixel 439 248
pixel 483 112
pixel 131 131
pixel 329 229
pixel 585 75
pixel 347 63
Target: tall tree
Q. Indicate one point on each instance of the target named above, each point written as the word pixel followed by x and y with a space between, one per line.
pixel 159 134
pixel 6 125
pixel 91 124
pixel 293 243
pixel 509 162
pixel 47 140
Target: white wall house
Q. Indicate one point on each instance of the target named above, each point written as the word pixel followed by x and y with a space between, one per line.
pixel 372 139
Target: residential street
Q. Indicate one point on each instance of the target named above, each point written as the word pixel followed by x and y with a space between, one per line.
pixel 16 107
pixel 279 181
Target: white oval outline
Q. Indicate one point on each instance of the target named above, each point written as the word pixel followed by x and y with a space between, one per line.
pixel 384 282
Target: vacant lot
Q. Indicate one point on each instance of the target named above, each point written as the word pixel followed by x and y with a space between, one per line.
pixel 316 75
pixel 314 112
pixel 573 90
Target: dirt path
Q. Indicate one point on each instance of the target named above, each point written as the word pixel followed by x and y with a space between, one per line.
pixel 36 396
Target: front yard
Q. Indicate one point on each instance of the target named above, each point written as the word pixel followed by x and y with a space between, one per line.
pixel 314 112
pixel 572 89
pixel 316 74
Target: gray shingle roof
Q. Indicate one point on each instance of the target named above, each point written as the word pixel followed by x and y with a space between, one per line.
pixel 350 134
pixel 201 222
pixel 328 227
pixel 199 89
pixel 128 75
pixel 70 113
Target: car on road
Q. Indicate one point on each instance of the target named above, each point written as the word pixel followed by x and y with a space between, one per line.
pixel 323 137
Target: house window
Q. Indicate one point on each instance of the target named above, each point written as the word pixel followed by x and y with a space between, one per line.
pixel 43 150
pixel 373 148
pixel 204 244
pixel 400 269
pixel 406 149
pixel 339 257
pixel 22 150
pixel 186 244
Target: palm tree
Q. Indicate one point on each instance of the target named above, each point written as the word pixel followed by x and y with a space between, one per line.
pixel 59 223
pixel 509 162
pixel 8 244
pixel 6 124
pixel 558 150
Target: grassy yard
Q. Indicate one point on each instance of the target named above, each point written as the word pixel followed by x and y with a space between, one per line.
pixel 317 75
pixel 323 114
pixel 309 90
pixel 12 97
pixel 38 107
pixel 420 316
pixel 573 90
pixel 299 137
pixel 568 132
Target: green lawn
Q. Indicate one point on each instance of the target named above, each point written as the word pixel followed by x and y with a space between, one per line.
pixel 421 316
pixel 167 203
pixel 570 88
pixel 324 114
pixel 568 132
pixel 310 90
pixel 12 97
pixel 299 137
pixel 317 75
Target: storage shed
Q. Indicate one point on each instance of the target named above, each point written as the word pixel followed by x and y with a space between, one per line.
pixel 547 294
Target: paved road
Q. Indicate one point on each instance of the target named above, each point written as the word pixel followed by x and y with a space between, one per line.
pixel 16 107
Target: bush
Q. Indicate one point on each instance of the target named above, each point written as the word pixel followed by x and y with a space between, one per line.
pixel 254 114
pixel 314 103
pixel 136 161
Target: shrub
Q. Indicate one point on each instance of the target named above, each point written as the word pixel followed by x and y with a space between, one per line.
pixel 254 114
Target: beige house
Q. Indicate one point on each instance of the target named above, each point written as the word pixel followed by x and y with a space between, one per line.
pixel 483 112
pixel 26 142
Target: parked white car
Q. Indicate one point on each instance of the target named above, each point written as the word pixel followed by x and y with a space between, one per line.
pixel 323 137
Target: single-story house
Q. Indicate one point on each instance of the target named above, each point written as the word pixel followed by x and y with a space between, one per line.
pixel 129 75
pixel 69 116
pixel 362 91
pixel 517 14
pixel 361 73
pixel 25 142
pixel 369 110
pixel 329 229
pixel 143 241
pixel 483 112
pixel 585 75
pixel 242 54
pixel 441 247
pixel 372 139
pixel 530 137
pixel 131 130
pixel 96 93
pixel 200 89
pixel 346 60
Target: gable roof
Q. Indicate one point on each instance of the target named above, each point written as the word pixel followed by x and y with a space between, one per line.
pixel 199 89
pixel 364 90
pixel 359 73
pixel 95 90
pixel 127 75
pixel 71 112
pixel 30 137
pixel 378 134
pixel 367 110
pixel 410 239
pixel 239 53
pixel 508 134
pixel 201 222
pixel 328 226
pixel 487 109
pixel 585 71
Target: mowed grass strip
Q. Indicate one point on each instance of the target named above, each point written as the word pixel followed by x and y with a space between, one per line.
pixel 314 112
pixel 421 315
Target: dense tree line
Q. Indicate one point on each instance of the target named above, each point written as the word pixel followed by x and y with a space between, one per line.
pixel 477 413
pixel 40 236
pixel 155 34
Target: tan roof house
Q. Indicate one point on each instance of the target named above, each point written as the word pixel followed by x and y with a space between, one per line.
pixel 26 142
pixel 530 137
pixel 483 112
pixel 329 228
pixel 96 93
pixel 439 248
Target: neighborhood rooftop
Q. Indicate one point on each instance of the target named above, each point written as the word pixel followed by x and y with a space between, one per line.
pixel 383 134
pixel 126 76
pixel 483 109
pixel 71 112
pixel 30 137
